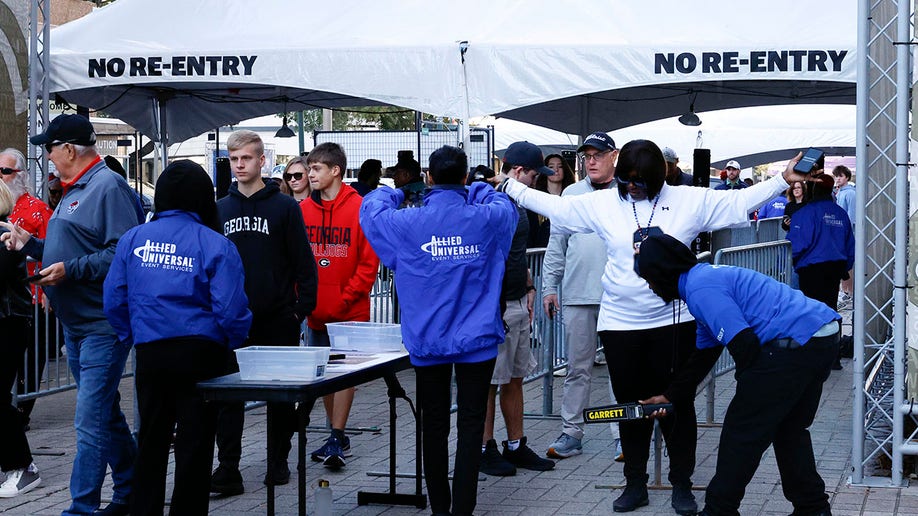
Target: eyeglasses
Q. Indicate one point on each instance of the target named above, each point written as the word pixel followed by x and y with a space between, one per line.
pixel 584 157
pixel 51 145
pixel 295 176
pixel 9 171
pixel 626 182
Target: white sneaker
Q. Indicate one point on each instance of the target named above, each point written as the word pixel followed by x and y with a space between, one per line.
pixel 20 481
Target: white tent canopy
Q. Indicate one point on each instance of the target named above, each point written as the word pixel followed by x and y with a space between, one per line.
pixel 753 135
pixel 562 64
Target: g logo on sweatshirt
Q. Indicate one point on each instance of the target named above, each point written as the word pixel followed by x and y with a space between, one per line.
pixel 324 262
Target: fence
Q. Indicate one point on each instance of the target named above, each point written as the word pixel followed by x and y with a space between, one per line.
pixel 770 258
pixel 547 337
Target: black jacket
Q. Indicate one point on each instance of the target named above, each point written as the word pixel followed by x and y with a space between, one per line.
pixel 268 230
pixel 15 299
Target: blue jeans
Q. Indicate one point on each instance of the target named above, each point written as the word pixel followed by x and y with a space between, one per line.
pixel 103 437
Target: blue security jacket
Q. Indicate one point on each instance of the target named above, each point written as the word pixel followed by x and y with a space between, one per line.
pixel 726 300
pixel 174 277
pixel 448 257
pixel 821 232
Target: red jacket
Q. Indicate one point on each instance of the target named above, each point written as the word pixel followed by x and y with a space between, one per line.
pixel 345 261
pixel 32 214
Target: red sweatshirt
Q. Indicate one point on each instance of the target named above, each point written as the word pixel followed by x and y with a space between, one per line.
pixel 346 263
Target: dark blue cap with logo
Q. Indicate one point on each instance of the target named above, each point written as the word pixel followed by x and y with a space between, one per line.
pixel 599 141
pixel 529 155
pixel 76 129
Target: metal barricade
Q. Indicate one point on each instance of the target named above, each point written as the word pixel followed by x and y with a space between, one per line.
pixel 770 258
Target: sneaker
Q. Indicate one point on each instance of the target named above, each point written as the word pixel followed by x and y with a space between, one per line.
pixel 600 358
pixel 635 496
pixel 619 454
pixel 684 500
pixel 845 301
pixel 114 509
pixel 524 457
pixel 564 446
pixel 493 463
pixel 278 474
pixel 333 452
pixel 560 373
pixel 227 481
pixel 20 481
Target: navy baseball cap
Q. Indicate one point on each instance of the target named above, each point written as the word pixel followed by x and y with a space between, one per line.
pixel 525 154
pixel 74 129
pixel 599 141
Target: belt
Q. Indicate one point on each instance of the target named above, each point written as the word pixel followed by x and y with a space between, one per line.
pixel 830 328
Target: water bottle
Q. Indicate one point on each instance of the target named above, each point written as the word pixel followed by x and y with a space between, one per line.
pixel 323 499
pixel 699 141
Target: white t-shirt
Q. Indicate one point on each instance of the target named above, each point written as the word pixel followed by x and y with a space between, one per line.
pixel 681 211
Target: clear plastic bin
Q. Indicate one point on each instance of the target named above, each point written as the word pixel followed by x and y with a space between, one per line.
pixel 369 337
pixel 281 363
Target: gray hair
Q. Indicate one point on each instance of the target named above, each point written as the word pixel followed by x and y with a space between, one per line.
pixel 85 150
pixel 6 201
pixel 20 184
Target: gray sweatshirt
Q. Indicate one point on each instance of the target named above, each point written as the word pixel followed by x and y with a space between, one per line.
pixel 575 261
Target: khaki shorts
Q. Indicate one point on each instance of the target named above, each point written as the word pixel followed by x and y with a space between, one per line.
pixel 514 356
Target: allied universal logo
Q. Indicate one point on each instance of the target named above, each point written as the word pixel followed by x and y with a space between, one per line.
pixel 450 248
pixel 162 255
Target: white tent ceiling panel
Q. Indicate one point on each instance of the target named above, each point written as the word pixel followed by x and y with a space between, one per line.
pixel 561 64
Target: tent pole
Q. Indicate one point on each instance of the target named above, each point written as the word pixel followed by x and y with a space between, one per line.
pixel 299 127
pixel 463 124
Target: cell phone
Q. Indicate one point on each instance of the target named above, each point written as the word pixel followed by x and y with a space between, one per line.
pixel 35 277
pixel 808 161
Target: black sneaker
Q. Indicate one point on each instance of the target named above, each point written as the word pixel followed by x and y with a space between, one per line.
pixel 492 463
pixel 684 500
pixel 635 496
pixel 226 481
pixel 524 457
pixel 278 474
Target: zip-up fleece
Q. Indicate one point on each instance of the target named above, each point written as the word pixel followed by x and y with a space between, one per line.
pixel 347 265
pixel 83 233
pixel 280 275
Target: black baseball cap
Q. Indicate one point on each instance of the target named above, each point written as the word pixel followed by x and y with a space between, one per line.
pixel 76 129
pixel 529 155
pixel 599 141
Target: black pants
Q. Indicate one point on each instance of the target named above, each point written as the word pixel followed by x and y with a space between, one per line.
pixel 166 374
pixel 14 446
pixel 43 338
pixel 775 403
pixel 641 364
pixel 472 382
pixel 820 281
pixel 265 331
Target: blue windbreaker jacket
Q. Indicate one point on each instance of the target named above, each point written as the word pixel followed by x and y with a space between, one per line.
pixel 448 257
pixel 174 277
pixel 821 232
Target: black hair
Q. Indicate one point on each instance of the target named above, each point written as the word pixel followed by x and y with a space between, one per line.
pixel 184 185
pixel 641 160
pixel 448 166
pixel 370 170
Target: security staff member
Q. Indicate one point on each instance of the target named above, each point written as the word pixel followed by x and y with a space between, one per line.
pixel 784 345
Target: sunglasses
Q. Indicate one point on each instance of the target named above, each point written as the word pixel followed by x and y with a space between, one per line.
pixel 295 176
pixel 9 171
pixel 51 145
pixel 626 182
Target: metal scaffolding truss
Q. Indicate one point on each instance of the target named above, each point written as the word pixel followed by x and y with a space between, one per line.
pixel 39 57
pixel 879 440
